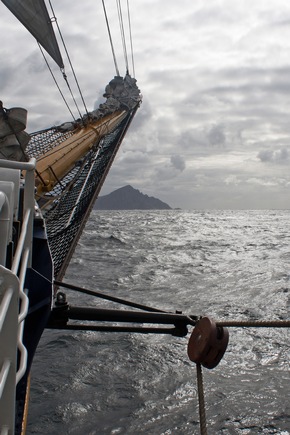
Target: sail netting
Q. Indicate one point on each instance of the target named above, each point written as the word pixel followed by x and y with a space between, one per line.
pixel 66 207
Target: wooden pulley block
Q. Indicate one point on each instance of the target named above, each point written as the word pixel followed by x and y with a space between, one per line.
pixel 208 343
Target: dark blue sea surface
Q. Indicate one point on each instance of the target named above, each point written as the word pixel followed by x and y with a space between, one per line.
pixel 229 265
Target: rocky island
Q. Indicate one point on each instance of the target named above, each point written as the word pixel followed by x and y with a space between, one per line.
pixel 128 198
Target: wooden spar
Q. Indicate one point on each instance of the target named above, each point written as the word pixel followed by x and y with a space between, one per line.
pixel 56 163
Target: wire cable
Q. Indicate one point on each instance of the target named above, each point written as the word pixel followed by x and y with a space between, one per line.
pixel 69 88
pixel 69 59
pixel 55 81
pixel 131 41
pixel 122 34
pixel 111 41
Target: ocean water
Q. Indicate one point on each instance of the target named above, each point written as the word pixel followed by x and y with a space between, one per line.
pixel 223 264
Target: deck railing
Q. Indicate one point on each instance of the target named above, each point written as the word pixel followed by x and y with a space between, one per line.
pixel 13 299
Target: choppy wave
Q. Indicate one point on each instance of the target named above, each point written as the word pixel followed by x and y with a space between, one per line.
pixel 228 265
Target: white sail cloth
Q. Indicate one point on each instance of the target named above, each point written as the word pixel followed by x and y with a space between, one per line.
pixel 13 140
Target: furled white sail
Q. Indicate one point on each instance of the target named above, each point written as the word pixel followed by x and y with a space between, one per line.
pixel 13 140
pixel 34 16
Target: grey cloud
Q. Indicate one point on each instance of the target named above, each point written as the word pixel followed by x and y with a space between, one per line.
pixel 5 75
pixel 193 140
pixel 281 156
pixel 143 115
pixel 216 135
pixel 178 162
pixel 215 80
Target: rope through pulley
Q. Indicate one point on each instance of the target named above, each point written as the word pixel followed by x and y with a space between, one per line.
pixel 206 347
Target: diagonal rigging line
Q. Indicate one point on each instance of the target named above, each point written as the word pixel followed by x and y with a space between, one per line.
pixel 131 41
pixel 55 81
pixel 69 88
pixel 68 56
pixel 122 33
pixel 110 37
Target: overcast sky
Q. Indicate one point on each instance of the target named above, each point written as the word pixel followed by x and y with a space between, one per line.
pixel 213 131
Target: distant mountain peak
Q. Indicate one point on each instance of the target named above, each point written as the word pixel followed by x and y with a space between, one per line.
pixel 128 187
pixel 128 198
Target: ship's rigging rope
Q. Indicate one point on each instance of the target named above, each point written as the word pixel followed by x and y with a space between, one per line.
pixel 131 41
pixel 123 36
pixel 122 30
pixel 69 59
pixel 69 88
pixel 56 83
pixel 201 400
pixel 110 37
pixel 64 76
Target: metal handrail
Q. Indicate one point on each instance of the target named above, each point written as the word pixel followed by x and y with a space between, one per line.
pixel 4 375
pixel 21 317
pixel 8 349
pixel 5 305
pixel 12 316
pixel 21 241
